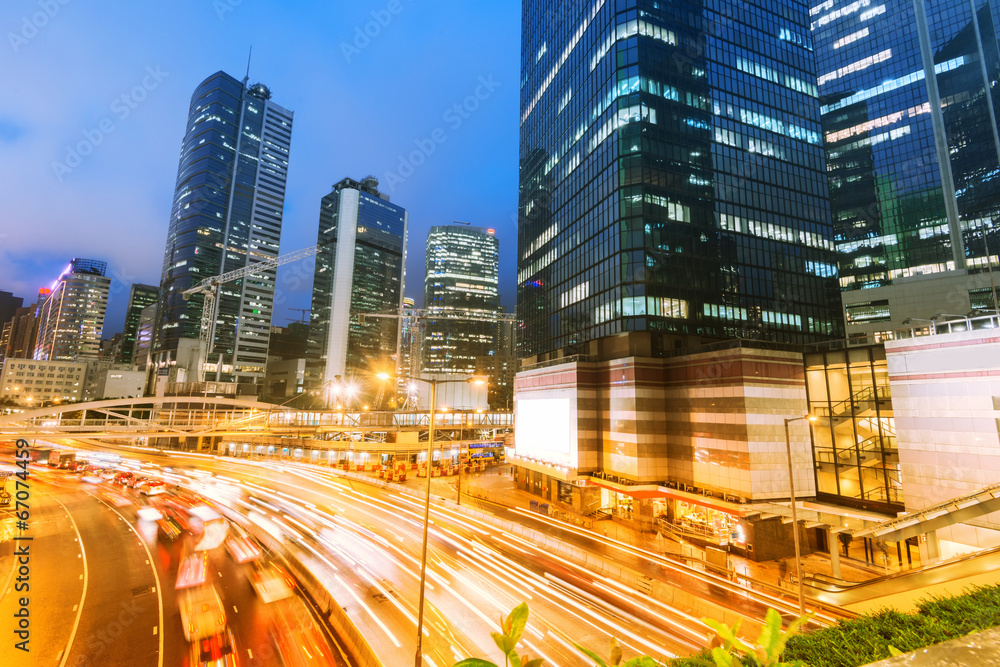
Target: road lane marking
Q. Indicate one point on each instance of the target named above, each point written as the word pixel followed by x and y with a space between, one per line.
pixel 59 654
pixel 235 609
pixel 75 606
pixel 250 653
pixel 155 628
pixel 83 596
pixel 156 576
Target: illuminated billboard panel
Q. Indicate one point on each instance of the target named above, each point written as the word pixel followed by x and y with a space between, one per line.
pixel 544 430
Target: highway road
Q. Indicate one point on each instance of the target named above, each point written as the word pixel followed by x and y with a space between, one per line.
pixel 363 543
pixel 102 586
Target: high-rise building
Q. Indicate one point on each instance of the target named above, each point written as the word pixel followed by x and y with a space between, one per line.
pixel 71 320
pixel 410 345
pixel 360 269
pixel 140 296
pixel 17 339
pixel 226 215
pixel 672 175
pixel 460 279
pixel 913 152
pixel 144 337
pixel 8 306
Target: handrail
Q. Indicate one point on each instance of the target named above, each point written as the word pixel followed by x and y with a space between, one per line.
pixel 833 585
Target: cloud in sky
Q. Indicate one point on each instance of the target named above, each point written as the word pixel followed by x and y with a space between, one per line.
pixel 97 97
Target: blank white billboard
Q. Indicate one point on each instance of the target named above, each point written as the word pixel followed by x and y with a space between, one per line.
pixel 543 431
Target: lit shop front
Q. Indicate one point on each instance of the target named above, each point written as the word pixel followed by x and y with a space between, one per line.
pixel 688 516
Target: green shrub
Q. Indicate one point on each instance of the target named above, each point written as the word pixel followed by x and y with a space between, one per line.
pixel 977 609
pixel 864 640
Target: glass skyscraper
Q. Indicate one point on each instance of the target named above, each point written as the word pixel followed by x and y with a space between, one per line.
pixel 71 320
pixel 672 174
pixel 226 214
pixel 461 277
pixel 360 268
pixel 912 144
pixel 139 297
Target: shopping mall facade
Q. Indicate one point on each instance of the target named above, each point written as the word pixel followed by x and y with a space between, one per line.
pixel 692 443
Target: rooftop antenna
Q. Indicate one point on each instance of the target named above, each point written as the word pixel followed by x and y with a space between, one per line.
pixel 247 78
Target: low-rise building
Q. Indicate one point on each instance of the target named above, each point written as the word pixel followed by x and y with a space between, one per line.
pixel 28 381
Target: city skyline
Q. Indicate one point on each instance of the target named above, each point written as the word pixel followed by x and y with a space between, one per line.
pixel 124 185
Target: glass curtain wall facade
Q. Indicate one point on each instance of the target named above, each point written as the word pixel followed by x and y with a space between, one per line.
pixel 911 135
pixel 672 175
pixel 461 278
pixel 360 269
pixel 71 320
pixel 226 215
pixel 854 439
pixel 140 296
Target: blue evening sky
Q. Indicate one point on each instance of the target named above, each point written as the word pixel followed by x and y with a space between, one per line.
pixel 114 79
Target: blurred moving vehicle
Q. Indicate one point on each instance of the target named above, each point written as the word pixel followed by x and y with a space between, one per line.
pixel 152 487
pixel 270 581
pixel 136 481
pixel 300 643
pixel 192 571
pixel 168 529
pixel 202 613
pixel 123 478
pixel 214 651
pixel 242 548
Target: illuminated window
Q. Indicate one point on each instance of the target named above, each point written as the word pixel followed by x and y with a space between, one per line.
pixel 869 311
pixel 850 39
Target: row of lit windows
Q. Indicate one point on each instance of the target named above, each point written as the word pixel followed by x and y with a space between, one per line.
pixel 774 76
pixel 772 231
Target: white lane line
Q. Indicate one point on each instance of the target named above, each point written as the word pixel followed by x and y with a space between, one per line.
pixel 83 596
pixel 235 609
pixel 156 576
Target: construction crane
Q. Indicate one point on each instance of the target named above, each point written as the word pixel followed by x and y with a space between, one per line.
pixel 429 314
pixel 210 288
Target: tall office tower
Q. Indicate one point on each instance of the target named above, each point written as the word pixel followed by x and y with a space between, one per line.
pixel 140 296
pixel 672 176
pixel 71 320
pixel 144 337
pixel 8 306
pixel 912 149
pixel 20 333
pixel 506 345
pixel 226 215
pixel 360 269
pixel 460 279
pixel 410 345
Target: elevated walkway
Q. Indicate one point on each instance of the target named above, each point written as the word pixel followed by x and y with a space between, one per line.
pixel 902 590
pixel 956 510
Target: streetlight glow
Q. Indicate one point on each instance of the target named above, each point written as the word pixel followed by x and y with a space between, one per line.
pixel 433 382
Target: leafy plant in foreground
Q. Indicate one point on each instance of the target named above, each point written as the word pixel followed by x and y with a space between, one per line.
pixel 770 643
pixel 512 628
pixel 615 657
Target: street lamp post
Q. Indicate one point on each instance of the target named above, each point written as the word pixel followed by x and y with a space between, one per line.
pixel 433 382
pixel 795 518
